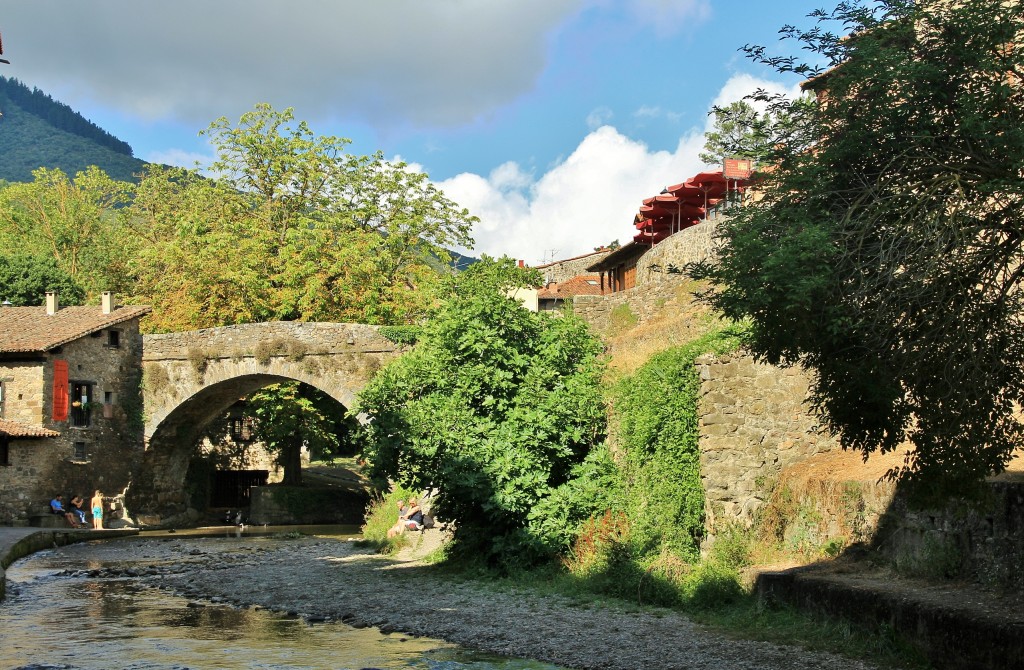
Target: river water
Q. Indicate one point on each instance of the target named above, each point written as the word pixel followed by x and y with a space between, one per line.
pixel 57 616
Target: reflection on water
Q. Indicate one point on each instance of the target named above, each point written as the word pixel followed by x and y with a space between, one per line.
pixel 52 620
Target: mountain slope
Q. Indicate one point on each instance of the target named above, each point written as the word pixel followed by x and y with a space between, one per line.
pixel 29 141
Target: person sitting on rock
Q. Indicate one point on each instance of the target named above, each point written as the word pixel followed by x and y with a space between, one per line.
pixel 78 512
pixel 57 507
pixel 413 516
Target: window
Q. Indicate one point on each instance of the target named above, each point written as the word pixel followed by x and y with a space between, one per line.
pixel 241 429
pixel 114 338
pixel 5 452
pixel 79 452
pixel 3 394
pixel 81 396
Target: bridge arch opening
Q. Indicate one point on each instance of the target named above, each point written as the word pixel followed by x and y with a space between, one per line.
pixel 161 491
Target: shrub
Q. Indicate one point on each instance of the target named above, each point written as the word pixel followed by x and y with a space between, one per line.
pixel 656 420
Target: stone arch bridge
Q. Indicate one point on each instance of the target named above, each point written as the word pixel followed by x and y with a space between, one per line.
pixel 191 378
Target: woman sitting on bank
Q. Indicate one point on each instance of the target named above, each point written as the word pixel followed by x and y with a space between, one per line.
pixel 409 518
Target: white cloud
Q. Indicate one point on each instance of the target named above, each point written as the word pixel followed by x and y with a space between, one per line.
pixel 667 17
pixel 648 112
pixel 741 85
pixel 586 200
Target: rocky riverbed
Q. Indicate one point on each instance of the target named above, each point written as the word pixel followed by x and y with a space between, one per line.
pixel 323 579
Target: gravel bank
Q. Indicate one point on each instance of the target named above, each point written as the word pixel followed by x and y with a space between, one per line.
pixel 327 579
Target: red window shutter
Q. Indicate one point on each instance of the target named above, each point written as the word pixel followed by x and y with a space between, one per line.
pixel 60 390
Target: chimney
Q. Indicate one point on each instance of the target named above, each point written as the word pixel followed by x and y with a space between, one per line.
pixel 107 302
pixel 522 263
pixel 52 303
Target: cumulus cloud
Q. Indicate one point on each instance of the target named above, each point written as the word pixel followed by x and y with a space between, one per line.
pixel 741 85
pixel 586 200
pixel 599 117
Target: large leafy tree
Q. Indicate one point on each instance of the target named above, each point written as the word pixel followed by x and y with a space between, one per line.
pixel 292 416
pixel 498 408
pixel 291 227
pixel 75 221
pixel 740 131
pixel 24 281
pixel 886 253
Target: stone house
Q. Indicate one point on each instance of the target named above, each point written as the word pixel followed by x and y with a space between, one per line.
pixel 555 295
pixel 70 402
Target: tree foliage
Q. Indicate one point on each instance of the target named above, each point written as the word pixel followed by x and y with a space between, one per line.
pixel 655 421
pixel 499 409
pixel 886 253
pixel 74 221
pixel 24 281
pixel 291 228
pixel 294 415
pixel 740 131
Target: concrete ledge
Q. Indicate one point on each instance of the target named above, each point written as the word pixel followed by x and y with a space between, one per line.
pixel 955 633
pixel 17 543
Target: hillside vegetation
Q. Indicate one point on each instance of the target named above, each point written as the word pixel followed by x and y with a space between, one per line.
pixel 37 131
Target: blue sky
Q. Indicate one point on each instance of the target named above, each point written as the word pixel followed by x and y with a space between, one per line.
pixel 548 119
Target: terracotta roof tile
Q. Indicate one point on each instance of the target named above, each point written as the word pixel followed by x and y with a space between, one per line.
pixel 18 429
pixel 31 329
pixel 578 285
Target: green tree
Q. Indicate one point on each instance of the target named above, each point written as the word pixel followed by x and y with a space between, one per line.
pixel 294 415
pixel 24 281
pixel 886 254
pixel 202 261
pixel 292 227
pixel 74 221
pixel 741 131
pixel 498 408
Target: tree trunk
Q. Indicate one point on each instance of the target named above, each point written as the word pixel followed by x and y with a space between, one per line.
pixel 291 459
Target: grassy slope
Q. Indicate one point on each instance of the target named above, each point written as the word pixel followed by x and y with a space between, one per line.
pixel 27 142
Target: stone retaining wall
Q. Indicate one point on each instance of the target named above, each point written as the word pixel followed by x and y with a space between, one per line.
pixel 311 506
pixel 754 421
pixel 658 280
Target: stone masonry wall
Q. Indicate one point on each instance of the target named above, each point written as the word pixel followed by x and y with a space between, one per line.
pixel 656 283
pixel 754 422
pixel 244 339
pixel 41 468
pixel 24 383
pixel 561 271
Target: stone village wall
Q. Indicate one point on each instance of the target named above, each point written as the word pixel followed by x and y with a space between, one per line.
pixel 560 271
pixel 656 282
pixel 756 425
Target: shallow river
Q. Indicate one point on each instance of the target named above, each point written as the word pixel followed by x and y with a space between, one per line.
pixel 56 617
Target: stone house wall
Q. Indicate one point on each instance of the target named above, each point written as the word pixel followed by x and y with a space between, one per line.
pixel 40 468
pixel 23 383
pixel 561 271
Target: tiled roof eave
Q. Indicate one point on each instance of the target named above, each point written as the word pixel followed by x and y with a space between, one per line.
pixel 19 430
